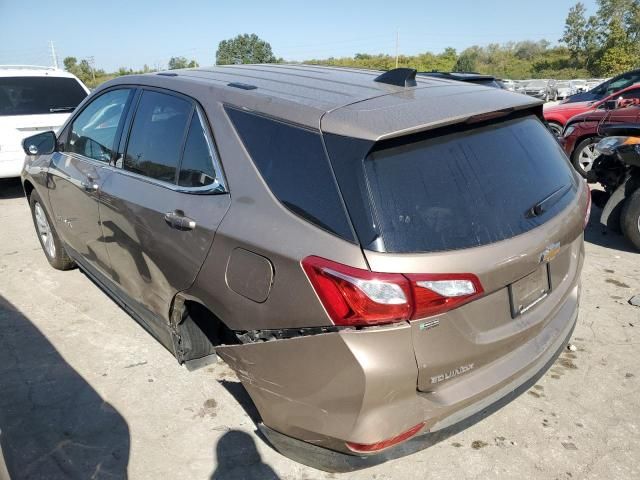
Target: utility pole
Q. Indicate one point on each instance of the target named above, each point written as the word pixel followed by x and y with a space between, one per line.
pixel 397 42
pixel 93 69
pixel 54 59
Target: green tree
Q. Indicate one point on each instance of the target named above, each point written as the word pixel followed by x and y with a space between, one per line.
pixel 577 33
pixel 244 49
pixel 181 62
pixel 467 61
pixel 618 53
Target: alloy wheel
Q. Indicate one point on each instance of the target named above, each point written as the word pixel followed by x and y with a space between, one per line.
pixel 587 156
pixel 44 230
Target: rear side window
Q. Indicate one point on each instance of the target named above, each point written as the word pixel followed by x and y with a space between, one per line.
pixel 468 188
pixel 197 161
pixel 38 95
pixel 157 136
pixel 293 163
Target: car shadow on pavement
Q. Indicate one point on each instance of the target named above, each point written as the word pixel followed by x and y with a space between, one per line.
pixel 598 234
pixel 53 423
pixel 11 188
pixel 237 458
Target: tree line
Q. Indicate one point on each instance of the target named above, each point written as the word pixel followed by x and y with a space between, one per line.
pixel 599 45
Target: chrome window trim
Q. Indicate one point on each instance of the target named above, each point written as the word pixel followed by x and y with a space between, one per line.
pixel 219 185
pixel 215 188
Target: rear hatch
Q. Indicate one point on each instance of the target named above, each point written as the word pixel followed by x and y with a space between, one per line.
pixel 492 198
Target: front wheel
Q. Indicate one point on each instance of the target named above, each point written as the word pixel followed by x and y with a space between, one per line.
pixel 584 155
pixel 49 240
pixel 630 219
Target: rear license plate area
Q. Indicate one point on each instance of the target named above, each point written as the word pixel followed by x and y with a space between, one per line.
pixel 529 291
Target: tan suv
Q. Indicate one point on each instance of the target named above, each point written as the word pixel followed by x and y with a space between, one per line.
pixel 378 257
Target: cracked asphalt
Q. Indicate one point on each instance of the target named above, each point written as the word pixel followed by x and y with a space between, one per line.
pixel 87 393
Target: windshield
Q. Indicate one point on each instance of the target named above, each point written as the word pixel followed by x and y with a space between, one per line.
pixel 537 84
pixel 564 85
pixel 468 188
pixel 38 95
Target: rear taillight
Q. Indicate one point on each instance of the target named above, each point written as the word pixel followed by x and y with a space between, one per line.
pixel 379 446
pixel 356 297
pixel 437 293
pixel 587 212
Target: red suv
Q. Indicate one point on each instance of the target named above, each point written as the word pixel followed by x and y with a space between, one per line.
pixel 581 131
pixel 557 116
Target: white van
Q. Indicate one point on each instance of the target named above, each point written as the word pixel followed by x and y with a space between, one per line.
pixel 32 99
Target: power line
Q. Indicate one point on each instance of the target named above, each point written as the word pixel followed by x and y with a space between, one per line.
pixel 53 54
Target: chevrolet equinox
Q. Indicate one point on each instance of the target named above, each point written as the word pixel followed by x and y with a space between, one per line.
pixel 379 257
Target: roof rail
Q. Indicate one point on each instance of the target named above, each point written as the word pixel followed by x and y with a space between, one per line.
pixel 402 77
pixel 26 67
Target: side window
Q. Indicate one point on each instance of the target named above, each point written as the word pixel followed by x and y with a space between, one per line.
pixel 293 164
pixel 197 168
pixel 631 94
pixel 157 134
pixel 93 132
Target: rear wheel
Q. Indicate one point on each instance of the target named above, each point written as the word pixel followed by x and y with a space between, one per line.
pixel 49 240
pixel 630 219
pixel 584 155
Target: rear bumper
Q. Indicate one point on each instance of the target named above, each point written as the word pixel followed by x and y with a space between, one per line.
pixel 334 461
pixel 314 393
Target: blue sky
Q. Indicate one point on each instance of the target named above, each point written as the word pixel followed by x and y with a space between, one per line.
pixel 134 32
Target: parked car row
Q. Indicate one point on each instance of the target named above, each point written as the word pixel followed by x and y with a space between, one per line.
pixel 572 91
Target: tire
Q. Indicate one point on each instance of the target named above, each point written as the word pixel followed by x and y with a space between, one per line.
pixel 47 235
pixel 630 219
pixel 583 155
pixel 556 128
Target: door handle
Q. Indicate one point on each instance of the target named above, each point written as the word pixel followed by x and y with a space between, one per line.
pixel 177 220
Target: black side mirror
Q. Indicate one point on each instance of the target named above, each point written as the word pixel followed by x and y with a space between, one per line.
pixel 611 104
pixel 41 144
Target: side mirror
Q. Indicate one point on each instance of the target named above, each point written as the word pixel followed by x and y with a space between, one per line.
pixel 41 144
pixel 611 104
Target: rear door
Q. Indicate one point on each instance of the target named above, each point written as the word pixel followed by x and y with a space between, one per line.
pixel 79 169
pixel 162 205
pixel 499 202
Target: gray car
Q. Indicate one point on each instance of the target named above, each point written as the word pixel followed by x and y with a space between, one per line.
pixel 546 90
pixel 360 247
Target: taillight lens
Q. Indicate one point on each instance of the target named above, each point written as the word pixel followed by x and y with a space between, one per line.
pixel 379 446
pixel 587 212
pixel 437 293
pixel 356 297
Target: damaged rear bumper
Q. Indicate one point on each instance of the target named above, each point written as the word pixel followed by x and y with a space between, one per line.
pixel 314 393
pixel 334 461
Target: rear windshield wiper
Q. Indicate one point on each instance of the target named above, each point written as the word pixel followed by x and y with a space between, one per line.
pixel 61 109
pixel 547 202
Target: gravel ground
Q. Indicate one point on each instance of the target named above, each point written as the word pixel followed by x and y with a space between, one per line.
pixel 86 393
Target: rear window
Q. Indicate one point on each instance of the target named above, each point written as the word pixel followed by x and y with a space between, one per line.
pixel 38 95
pixel 466 188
